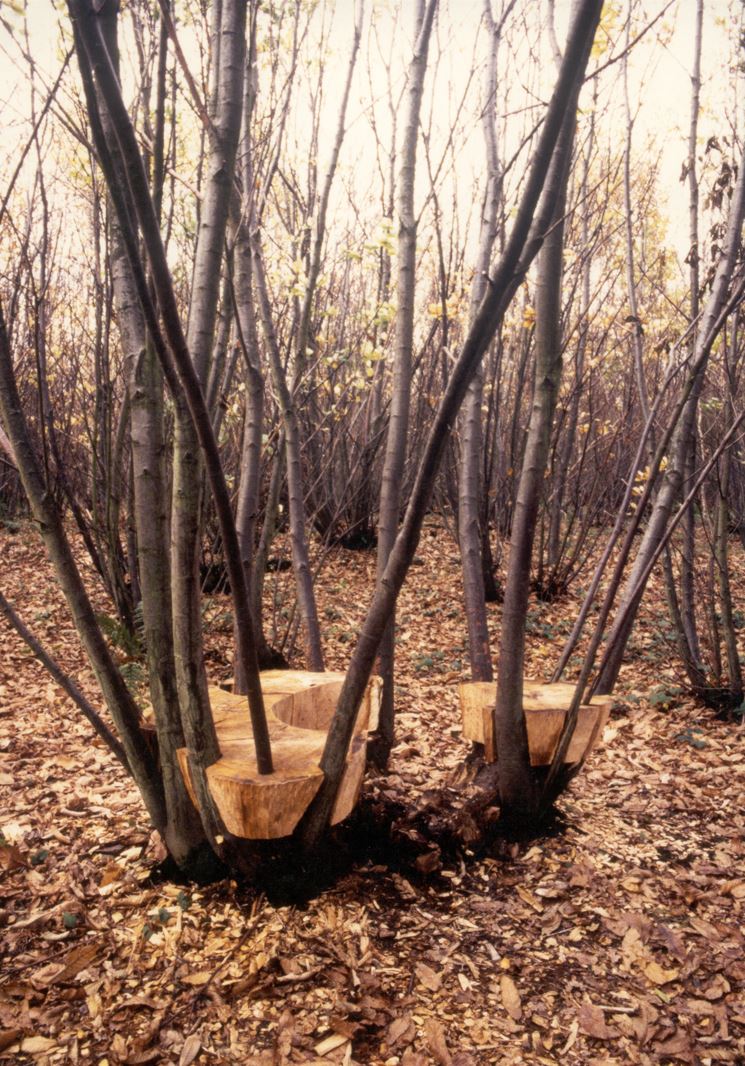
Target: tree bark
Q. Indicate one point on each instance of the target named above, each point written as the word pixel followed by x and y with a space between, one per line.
pixel 118 698
pixel 524 242
pixel 519 796
pixel 470 488
pixel 710 325
pixel 398 423
pixel 174 357
pixel 184 836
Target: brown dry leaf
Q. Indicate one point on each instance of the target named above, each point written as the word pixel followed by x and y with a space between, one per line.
pixel 9 1037
pixel 592 1022
pixel 112 873
pixel 571 1037
pixel 331 1043
pixel 703 927
pixel 414 1058
pixel 37 1045
pixel 719 987
pixel 119 1047
pixel 430 978
pixel 429 861
pixel 510 997
pixel 672 942
pixel 197 979
pixel 401 1031
pixel 434 1034
pixel 658 976
pixel 527 897
pixel 632 948
pixel 190 1050
pixel 11 857
pixel 677 1046
pixel 57 973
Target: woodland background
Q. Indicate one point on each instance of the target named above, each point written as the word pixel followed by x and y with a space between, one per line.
pixel 300 301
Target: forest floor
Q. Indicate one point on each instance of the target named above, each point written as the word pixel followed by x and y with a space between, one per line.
pixel 617 939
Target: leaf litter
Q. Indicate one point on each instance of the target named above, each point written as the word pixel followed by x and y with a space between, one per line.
pixel 618 939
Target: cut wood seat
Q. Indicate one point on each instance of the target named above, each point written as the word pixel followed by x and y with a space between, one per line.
pixel 299 707
pixel 545 708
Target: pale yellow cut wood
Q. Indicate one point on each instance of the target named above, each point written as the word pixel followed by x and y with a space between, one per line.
pixel 299 706
pixel 545 707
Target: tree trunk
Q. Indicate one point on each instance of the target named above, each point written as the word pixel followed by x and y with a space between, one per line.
pixel 519 796
pixel 470 488
pixel 528 232
pixel 710 325
pixel 118 698
pixel 398 424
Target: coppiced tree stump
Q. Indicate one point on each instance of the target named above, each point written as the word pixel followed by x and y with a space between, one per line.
pixel 299 707
pixel 545 708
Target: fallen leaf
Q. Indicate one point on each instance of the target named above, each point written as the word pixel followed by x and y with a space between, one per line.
pixel 703 927
pixel 11 857
pixel 112 873
pixel 428 977
pixel 428 862
pixel 9 1037
pixel 719 987
pixel 37 1045
pixel 197 979
pixel 190 1050
pixel 434 1034
pixel 331 1043
pixel 529 898
pixel 677 1046
pixel 592 1022
pixel 510 997
pixel 57 973
pixel 401 1031
pixel 657 975
pixel 571 1037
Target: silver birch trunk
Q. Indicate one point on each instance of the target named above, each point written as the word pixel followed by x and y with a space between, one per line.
pixel 398 424
pixel 470 486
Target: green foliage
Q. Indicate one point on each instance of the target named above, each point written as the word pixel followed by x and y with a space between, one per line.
pixel 664 696
pixel 120 637
pixel 433 661
pixel 691 736
pixel 133 674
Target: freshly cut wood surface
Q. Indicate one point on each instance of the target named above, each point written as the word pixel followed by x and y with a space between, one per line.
pixel 299 705
pixel 545 707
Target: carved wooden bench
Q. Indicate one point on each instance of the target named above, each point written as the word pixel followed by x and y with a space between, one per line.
pixel 299 707
pixel 545 708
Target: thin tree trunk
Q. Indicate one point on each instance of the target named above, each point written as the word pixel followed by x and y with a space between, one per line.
pixel 687 561
pixel 65 682
pixel 710 324
pixel 528 232
pixel 398 424
pixel 118 698
pixel 175 360
pixel 298 538
pixel 517 790
pixel 470 488
pixel 721 559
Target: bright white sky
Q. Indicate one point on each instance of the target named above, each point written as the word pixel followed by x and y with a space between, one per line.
pixel 663 71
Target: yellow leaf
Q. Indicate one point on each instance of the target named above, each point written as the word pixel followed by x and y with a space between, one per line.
pixel 657 975
pixel 510 997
